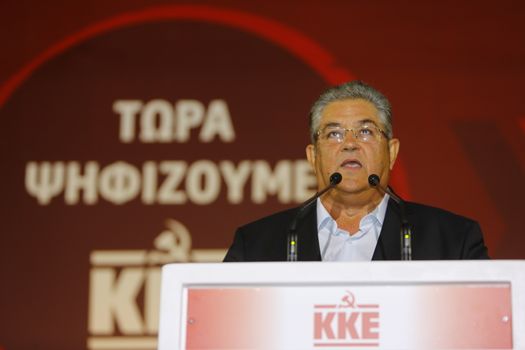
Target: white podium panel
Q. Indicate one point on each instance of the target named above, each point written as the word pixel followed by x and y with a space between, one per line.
pixel 387 305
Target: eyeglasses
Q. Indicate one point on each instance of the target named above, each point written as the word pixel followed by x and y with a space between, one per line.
pixel 333 134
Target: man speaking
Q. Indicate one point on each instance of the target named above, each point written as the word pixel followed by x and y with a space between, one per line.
pixel 352 152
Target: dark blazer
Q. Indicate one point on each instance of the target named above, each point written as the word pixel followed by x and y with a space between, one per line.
pixel 436 234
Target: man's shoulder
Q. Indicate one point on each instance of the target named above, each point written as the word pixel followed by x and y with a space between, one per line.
pixel 263 239
pixel 429 212
pixel 438 222
pixel 441 234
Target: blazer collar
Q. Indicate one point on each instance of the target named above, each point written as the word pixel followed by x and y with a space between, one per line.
pixel 308 239
pixel 389 243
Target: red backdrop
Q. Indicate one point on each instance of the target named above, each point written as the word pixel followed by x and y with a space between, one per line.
pixel 142 132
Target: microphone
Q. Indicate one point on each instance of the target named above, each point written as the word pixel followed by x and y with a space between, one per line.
pixel 374 181
pixel 292 244
pixel 406 232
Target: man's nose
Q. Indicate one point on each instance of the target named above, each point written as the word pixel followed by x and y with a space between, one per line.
pixel 350 136
pixel 350 141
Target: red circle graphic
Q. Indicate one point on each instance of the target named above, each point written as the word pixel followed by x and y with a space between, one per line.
pixel 289 39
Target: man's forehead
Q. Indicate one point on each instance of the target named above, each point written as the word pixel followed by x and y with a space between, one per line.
pixel 351 111
pixel 354 123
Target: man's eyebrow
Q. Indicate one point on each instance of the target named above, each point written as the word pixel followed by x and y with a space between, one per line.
pixel 366 121
pixel 357 123
pixel 332 124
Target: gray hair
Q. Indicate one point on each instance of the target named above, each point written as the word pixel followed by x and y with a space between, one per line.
pixel 351 91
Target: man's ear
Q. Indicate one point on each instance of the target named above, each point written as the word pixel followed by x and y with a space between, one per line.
pixel 310 155
pixel 393 149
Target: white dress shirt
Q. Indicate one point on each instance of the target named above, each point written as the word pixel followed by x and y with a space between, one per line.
pixel 339 245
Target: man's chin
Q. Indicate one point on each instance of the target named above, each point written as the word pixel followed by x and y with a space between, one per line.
pixel 352 188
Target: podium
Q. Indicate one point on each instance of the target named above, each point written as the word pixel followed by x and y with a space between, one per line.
pixel 343 305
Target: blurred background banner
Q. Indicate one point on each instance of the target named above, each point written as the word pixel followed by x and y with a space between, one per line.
pixel 137 133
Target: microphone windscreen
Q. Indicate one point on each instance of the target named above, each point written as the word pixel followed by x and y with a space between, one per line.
pixel 373 180
pixel 335 178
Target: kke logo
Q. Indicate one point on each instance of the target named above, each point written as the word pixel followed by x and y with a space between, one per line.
pixel 124 289
pixel 346 323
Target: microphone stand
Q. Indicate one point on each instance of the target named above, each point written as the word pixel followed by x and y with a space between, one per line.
pixel 292 253
pixel 406 230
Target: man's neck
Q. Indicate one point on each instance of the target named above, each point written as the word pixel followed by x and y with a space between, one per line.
pixel 348 210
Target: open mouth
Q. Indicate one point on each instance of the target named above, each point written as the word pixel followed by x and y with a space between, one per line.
pixel 352 164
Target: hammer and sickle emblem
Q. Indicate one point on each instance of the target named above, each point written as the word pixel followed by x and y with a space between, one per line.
pixel 347 301
pixel 173 244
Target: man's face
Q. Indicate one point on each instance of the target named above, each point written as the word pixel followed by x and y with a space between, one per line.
pixel 355 159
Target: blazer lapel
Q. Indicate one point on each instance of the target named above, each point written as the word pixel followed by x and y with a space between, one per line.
pixel 308 245
pixel 389 243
